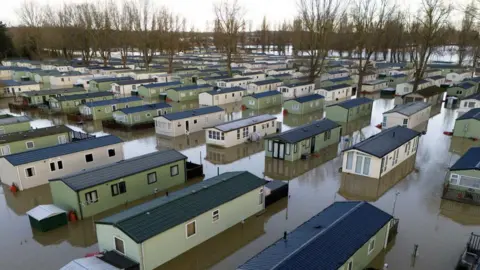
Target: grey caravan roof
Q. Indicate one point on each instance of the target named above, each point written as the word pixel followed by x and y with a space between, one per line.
pixel 99 175
pixel 409 109
pixel 244 122
pixel 306 131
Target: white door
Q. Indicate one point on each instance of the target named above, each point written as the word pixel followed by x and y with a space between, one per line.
pixel 62 139
pixel 275 150
pixel 281 150
pixel 5 150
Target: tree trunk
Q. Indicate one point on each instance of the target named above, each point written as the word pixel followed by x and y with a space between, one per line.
pixel 170 63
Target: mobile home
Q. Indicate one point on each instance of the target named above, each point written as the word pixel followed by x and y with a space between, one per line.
pixel 242 130
pixel 303 141
pixel 379 154
pixel 374 86
pixel 127 88
pixel 351 236
pixel 218 204
pixel 232 82
pixel 181 123
pixel 305 104
pixel 187 92
pixel 335 92
pixel 33 168
pixel 462 90
pixel 15 88
pixel 22 141
pixel 470 102
pixel 42 97
pixel 349 110
pixel 262 100
pixel 103 109
pixel 71 103
pixel 406 88
pixel 432 95
pixel 105 84
pixel 153 90
pixel 468 125
pixel 409 115
pixel 95 190
pixel 10 123
pixel 143 114
pixel 296 90
pixel 222 96
pixel 265 85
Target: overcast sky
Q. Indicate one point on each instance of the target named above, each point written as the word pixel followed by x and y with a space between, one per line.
pixel 198 12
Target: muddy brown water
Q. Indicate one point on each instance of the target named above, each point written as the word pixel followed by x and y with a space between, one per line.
pixel 440 228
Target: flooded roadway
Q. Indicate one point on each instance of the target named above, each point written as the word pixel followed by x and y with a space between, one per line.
pixel 440 228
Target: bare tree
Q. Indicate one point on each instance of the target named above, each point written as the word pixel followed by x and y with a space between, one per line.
pixel 122 22
pixel 319 19
pixel 264 32
pixel 146 33
pixel 467 33
pixel 103 29
pixel 369 29
pixel 32 18
pixel 229 21
pixel 171 27
pixel 426 34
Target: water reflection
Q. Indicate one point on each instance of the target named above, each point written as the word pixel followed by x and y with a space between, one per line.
pixel 184 105
pixel 357 187
pixel 460 146
pixel 461 213
pixel 356 125
pixel 181 142
pixel 219 155
pixel 21 202
pixel 286 170
pixel 295 120
pixel 272 110
pixel 435 110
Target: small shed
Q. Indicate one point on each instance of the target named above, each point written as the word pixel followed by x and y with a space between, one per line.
pixel 274 191
pixel 462 90
pixel 47 217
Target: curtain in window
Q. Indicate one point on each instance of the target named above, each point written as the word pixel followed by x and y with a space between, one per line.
pixel 358 165
pixel 349 160
pixel 366 166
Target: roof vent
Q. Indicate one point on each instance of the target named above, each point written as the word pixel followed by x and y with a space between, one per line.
pixel 193 191
pixel 148 213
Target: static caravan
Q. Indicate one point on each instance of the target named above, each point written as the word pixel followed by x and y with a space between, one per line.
pixel 462 90
pixel 300 142
pixel 33 168
pixel 437 80
pixel 296 90
pixel 241 131
pixel 470 102
pixel 379 154
pixel 70 103
pixel 463 178
pixel 468 125
pixel 256 75
pixel 213 80
pixel 265 85
pixel 23 141
pixel 105 84
pixel 274 72
pixel 42 97
pixel 154 90
pixel 349 110
pixel 14 88
pixel 474 80
pixel 342 80
pixel 368 77
pixel 10 123
pixel 458 76
pixel 262 100
pixel 42 76
pixel 432 95
pixel 353 234
pixel 335 92
pixel 68 78
pixel 432 72
pixel 409 115
pixel 395 79
pixel 222 96
pixel 374 86
pixel 333 74
pixel 305 104
pixel 218 203
pixel 232 82
pixel 186 122
pixel 95 190
pixel 103 109
pixel 406 88
pixel 143 114
pixel 187 92
pixel 128 88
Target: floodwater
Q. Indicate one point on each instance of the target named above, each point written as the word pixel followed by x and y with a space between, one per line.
pixel 440 228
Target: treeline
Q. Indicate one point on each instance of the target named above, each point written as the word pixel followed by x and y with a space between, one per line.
pixel 362 29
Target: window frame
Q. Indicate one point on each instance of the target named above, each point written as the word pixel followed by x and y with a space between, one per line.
pixel 148 178
pixel 114 152
pixel 89 154
pixel 178 170
pixel 369 244
pixel 33 172
pixel 215 215
pixel 118 188
pixel 194 226
pixel 33 144
pixel 261 198
pixel 115 245
pixel 54 167
pixel 91 192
